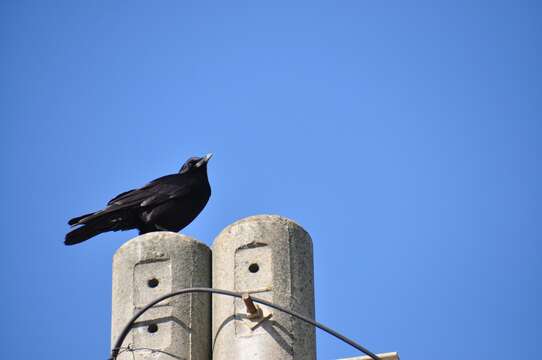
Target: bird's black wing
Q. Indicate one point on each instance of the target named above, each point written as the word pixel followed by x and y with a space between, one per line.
pixel 150 195
pixel 121 196
pixel 162 184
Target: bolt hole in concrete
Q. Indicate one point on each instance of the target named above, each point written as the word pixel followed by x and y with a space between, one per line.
pixel 152 283
pixel 152 328
pixel 253 268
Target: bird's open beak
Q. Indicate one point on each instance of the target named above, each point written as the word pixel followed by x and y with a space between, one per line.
pixel 204 159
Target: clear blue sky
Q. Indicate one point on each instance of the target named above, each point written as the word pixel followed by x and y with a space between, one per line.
pixel 404 136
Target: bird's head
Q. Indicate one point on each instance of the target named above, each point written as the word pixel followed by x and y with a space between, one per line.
pixel 195 164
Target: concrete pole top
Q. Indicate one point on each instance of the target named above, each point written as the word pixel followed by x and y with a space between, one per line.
pixel 160 239
pixel 265 218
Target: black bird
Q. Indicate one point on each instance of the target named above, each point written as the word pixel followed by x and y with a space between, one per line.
pixel 168 203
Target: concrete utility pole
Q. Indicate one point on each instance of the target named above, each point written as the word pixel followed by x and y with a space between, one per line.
pixel 270 257
pixel 153 265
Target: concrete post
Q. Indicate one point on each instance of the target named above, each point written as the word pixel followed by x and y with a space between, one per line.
pixel 153 265
pixel 271 258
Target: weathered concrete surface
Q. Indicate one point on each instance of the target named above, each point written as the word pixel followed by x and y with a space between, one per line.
pixel 153 265
pixel 271 258
pixel 383 356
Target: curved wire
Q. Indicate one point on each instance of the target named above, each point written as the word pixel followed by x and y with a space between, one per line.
pixel 126 330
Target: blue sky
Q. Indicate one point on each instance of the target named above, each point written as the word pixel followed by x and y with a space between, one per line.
pixel 404 136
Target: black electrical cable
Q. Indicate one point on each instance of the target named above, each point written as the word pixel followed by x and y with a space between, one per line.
pixel 128 327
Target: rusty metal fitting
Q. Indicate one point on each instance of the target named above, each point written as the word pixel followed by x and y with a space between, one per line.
pixel 253 310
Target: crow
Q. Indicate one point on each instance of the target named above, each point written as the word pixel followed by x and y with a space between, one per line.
pixel 168 203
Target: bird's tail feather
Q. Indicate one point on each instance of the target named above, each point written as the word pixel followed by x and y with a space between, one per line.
pixel 83 233
pixel 76 220
pixel 95 224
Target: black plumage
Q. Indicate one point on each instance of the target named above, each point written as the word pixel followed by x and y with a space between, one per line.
pixel 168 203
